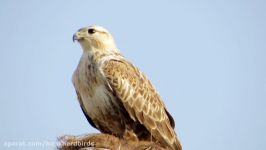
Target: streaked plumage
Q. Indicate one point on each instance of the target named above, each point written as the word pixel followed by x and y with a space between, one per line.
pixel 115 96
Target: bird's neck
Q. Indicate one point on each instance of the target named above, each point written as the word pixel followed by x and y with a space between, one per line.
pixel 98 57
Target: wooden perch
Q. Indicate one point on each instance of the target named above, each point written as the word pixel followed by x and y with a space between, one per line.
pixel 104 142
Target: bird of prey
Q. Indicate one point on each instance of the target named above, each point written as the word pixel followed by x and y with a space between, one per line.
pixel 115 96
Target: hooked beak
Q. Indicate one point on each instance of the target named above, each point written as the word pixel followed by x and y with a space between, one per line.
pixel 75 38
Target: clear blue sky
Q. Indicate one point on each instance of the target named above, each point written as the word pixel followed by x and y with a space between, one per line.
pixel 206 58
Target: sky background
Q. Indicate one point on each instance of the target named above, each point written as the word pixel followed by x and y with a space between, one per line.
pixel 206 58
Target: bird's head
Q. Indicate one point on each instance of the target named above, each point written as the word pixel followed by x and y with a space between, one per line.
pixel 95 38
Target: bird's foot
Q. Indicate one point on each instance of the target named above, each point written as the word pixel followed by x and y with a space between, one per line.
pixel 130 136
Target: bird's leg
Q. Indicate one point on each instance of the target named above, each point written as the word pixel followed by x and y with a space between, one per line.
pixel 151 136
pixel 130 136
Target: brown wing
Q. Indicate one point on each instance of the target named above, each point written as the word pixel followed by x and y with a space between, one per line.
pixel 141 100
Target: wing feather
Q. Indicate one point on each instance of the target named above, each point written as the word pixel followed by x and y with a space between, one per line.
pixel 141 100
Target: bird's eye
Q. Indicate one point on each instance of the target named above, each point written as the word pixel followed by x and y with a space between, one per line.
pixel 91 31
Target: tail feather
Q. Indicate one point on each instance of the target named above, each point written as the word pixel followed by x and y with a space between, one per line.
pixel 166 135
pixel 177 145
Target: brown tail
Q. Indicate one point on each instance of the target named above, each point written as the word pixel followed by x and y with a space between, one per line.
pixel 166 135
pixel 177 145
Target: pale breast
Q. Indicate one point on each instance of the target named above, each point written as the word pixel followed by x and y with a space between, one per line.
pixel 99 105
pixel 90 84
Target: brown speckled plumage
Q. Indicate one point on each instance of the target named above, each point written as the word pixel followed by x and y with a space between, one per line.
pixel 116 96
